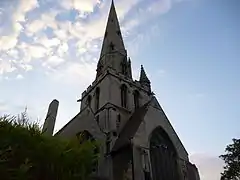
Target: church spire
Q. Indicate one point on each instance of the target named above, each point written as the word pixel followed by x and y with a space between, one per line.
pixel 113 53
pixel 113 40
pixel 144 79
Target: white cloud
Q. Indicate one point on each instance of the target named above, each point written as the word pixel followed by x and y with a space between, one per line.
pixel 83 73
pixel 45 20
pixel 209 166
pixel 61 34
pixel 14 53
pixel 6 67
pixel 8 42
pixel 82 50
pixel 19 76
pixel 36 51
pixel 35 26
pixel 24 7
pixel 33 51
pixel 94 29
pixel 49 19
pixel 82 6
pixel 160 6
pixel 48 43
pixel 62 49
pixel 26 67
pixel 124 6
pixel 52 46
pixel 53 61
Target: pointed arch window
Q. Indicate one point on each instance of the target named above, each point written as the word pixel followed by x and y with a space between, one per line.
pixel 163 156
pixel 97 94
pixel 136 99
pixel 124 96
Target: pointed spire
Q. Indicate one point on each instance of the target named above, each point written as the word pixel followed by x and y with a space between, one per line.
pixel 113 38
pixel 143 78
pixel 113 53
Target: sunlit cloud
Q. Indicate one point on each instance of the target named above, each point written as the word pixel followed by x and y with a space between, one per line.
pixel 47 34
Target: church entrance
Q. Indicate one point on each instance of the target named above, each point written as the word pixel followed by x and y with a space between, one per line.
pixel 163 156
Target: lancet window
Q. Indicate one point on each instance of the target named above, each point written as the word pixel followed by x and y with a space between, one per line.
pixel 89 100
pixel 124 96
pixel 136 99
pixel 97 94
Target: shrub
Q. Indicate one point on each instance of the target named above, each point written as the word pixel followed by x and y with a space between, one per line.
pixel 27 154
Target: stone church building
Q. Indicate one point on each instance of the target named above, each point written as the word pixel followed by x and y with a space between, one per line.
pixel 139 142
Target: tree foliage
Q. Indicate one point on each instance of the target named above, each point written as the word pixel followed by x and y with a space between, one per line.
pixel 232 161
pixel 27 154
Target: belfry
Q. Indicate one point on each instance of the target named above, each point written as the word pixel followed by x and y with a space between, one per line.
pixel 139 140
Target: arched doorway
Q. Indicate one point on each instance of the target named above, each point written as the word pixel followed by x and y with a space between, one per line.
pixel 163 156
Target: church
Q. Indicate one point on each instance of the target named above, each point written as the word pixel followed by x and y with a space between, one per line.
pixel 138 140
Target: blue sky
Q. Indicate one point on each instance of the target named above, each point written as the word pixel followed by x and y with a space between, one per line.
pixel 189 48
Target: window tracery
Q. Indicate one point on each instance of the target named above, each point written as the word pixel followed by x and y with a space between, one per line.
pixel 163 156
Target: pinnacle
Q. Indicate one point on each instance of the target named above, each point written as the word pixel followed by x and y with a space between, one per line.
pixel 143 77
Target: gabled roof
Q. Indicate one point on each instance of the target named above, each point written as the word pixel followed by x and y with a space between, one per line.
pixel 131 127
pixel 78 123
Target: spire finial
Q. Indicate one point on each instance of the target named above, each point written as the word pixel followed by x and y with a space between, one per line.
pixel 112 5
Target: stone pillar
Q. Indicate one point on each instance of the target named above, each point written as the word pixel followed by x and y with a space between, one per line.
pixel 50 120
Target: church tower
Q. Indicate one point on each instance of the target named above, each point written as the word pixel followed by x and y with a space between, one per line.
pixel 114 94
pixel 138 141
